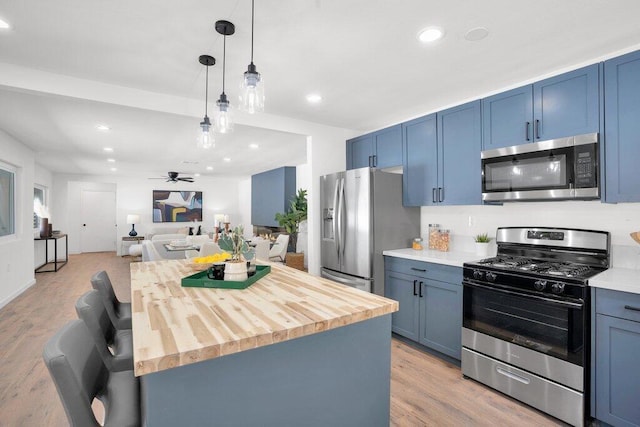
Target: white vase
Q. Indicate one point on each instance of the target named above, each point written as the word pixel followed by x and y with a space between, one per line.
pixel 482 249
pixel 235 271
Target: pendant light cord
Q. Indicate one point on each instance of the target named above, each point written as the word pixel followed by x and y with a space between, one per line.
pixel 206 92
pixel 252 6
pixel 224 59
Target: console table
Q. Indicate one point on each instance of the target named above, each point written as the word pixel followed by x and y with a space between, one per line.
pixel 127 242
pixel 57 264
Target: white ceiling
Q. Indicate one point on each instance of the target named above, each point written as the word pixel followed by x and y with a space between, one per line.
pixel 361 55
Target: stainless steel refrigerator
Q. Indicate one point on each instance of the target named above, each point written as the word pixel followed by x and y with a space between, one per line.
pixel 362 215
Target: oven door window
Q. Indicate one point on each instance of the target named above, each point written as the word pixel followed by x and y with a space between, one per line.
pixel 548 327
pixel 542 170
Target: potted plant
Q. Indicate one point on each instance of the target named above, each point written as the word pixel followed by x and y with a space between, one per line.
pixel 233 242
pixel 291 220
pixel 482 244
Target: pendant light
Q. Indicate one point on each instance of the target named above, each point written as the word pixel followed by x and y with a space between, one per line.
pixel 252 86
pixel 222 117
pixel 205 137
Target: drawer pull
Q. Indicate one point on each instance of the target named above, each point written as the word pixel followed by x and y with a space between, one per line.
pixel 419 269
pixel 513 376
pixel 629 307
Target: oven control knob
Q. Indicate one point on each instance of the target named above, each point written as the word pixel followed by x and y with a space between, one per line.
pixel 491 276
pixel 557 288
pixel 477 274
pixel 540 285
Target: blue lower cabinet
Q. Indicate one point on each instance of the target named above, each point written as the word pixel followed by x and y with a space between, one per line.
pixel 441 317
pixel 617 358
pixel 404 289
pixel 430 310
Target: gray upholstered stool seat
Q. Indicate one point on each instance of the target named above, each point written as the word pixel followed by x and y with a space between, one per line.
pixel 80 375
pixel 115 347
pixel 119 312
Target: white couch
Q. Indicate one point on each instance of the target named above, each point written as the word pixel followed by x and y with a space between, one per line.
pixel 158 241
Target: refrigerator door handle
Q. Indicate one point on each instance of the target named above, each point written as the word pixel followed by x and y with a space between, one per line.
pixel 341 213
pixel 336 215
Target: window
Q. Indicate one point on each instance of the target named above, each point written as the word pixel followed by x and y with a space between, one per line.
pixel 7 200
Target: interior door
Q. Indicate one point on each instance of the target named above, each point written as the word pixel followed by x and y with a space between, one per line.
pixel 98 216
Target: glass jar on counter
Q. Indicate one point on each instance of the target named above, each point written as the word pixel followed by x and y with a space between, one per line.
pixel 433 235
pixel 443 241
pixel 417 244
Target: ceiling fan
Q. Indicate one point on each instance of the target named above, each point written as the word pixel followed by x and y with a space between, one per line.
pixel 173 177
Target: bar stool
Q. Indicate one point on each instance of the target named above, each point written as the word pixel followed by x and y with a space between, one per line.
pixel 119 312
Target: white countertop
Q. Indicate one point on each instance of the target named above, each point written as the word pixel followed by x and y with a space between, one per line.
pixel 618 279
pixel 455 259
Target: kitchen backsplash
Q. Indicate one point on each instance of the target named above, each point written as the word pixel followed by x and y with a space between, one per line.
pixel 467 221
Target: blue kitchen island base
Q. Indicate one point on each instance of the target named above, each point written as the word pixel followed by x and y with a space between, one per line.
pixel 339 377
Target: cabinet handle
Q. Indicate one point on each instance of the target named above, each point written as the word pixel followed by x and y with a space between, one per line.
pixel 419 269
pixel 370 161
pixel 415 293
pixel 420 289
pixel 513 376
pixel 433 194
pixel 629 307
pixel 527 129
pixel 440 194
pixel 537 130
pixel 375 161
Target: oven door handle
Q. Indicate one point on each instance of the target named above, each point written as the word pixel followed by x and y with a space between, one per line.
pixel 521 294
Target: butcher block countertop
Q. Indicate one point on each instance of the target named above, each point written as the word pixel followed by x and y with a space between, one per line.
pixel 175 326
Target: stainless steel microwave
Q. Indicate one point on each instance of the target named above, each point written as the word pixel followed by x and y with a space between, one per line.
pixel 557 169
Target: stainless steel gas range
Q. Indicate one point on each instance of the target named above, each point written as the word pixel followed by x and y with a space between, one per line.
pixel 526 322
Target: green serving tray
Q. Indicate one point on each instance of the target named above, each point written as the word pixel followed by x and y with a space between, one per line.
pixel 200 280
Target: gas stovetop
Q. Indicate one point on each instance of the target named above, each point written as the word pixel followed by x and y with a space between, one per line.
pixel 554 270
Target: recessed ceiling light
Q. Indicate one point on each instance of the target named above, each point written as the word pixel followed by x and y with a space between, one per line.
pixel 107 149
pixel 114 169
pixel 314 98
pixel 209 168
pixel 227 159
pixel 430 34
pixel 4 25
pixel 475 34
pixel 196 174
pixel 111 160
pixel 103 128
pixel 254 146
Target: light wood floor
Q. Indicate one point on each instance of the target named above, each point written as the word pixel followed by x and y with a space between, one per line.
pixel 425 391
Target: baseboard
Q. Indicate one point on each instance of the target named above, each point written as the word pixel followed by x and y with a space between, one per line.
pixel 17 293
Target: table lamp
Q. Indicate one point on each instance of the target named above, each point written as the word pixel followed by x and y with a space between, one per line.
pixel 133 219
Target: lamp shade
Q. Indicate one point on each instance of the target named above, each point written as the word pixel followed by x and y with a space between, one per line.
pixel 133 219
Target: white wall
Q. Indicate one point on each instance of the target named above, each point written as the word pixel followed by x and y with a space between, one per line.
pixel 618 219
pixel 134 196
pixel 16 252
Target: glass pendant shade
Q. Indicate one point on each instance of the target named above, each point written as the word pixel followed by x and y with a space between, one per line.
pixel 206 139
pixel 205 134
pixel 223 115
pixel 252 91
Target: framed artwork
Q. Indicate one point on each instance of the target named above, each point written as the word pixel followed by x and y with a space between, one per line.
pixel 177 206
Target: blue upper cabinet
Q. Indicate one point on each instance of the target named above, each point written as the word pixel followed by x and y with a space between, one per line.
pixel 556 107
pixel 420 164
pixel 380 149
pixel 567 105
pixel 442 158
pixel 507 118
pixel 388 147
pixel 271 192
pixel 459 146
pixel 622 128
pixel 359 151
